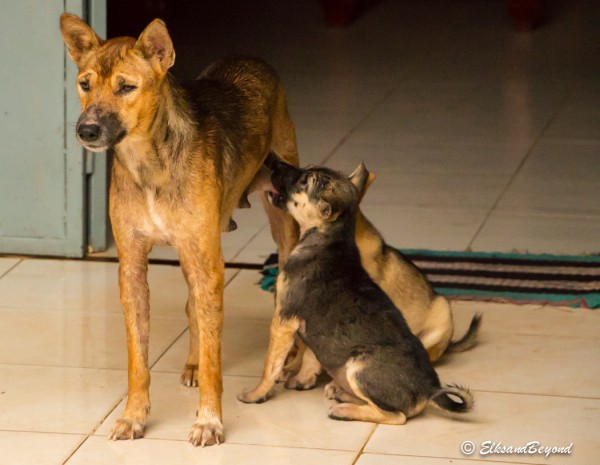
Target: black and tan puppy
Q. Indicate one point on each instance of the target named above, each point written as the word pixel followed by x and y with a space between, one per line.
pixel 184 158
pixel 381 371
pixel 427 313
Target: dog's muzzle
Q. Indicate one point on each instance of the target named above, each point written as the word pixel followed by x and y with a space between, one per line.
pixel 275 197
pixel 89 132
pixel 99 130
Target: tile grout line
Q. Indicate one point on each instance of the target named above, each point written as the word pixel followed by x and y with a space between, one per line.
pixel 20 260
pixel 362 449
pixel 528 154
pixel 74 451
pixel 94 429
pixel 369 113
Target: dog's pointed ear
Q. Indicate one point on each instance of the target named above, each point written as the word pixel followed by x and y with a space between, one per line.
pixel 156 44
pixel 324 209
pixel 362 179
pixel 78 36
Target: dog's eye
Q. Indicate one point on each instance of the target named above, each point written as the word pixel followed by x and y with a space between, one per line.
pixel 84 85
pixel 303 181
pixel 126 89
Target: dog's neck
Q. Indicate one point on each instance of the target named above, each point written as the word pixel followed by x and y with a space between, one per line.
pixel 156 147
pixel 339 234
pixel 323 250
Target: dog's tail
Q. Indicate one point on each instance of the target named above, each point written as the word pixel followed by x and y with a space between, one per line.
pixel 469 340
pixel 443 400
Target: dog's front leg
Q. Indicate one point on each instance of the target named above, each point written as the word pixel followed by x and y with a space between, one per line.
pixel 281 340
pixel 203 268
pixel 133 285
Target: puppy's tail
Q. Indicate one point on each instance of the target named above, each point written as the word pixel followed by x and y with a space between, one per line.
pixel 469 340
pixel 445 402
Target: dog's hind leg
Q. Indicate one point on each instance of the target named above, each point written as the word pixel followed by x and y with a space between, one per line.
pixel 133 285
pixel 293 360
pixel 365 412
pixel 333 391
pixel 189 377
pixel 355 403
pixel 437 330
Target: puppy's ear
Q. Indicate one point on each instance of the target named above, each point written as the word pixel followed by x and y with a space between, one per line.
pixel 156 45
pixel 327 211
pixel 79 38
pixel 324 209
pixel 362 179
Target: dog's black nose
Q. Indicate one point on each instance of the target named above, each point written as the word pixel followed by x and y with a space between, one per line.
pixel 88 132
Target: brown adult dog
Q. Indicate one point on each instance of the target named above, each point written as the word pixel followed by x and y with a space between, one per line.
pixel 183 160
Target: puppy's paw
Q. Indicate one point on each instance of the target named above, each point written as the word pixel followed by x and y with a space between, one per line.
pixel 252 397
pixel 340 412
pixel 301 383
pixel 332 390
pixel 189 377
pixel 206 433
pixel 126 428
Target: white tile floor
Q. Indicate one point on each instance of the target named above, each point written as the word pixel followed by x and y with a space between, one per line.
pixel 481 139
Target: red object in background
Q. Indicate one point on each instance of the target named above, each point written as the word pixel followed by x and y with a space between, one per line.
pixel 339 13
pixel 525 15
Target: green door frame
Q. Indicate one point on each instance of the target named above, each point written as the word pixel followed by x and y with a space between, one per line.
pixel 96 163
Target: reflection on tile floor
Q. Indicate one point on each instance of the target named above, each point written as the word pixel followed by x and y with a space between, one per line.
pixel 480 138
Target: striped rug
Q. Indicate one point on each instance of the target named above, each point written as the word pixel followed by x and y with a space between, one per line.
pixel 572 281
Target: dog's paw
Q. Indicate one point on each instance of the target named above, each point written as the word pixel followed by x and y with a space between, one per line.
pixel 189 377
pixel 301 384
pixel 332 390
pixel 206 433
pixel 252 397
pixel 126 428
pixel 339 412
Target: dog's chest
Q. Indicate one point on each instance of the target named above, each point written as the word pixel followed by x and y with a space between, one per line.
pixel 156 221
pixel 154 213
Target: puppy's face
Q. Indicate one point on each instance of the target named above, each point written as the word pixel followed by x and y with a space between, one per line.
pixel 315 196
